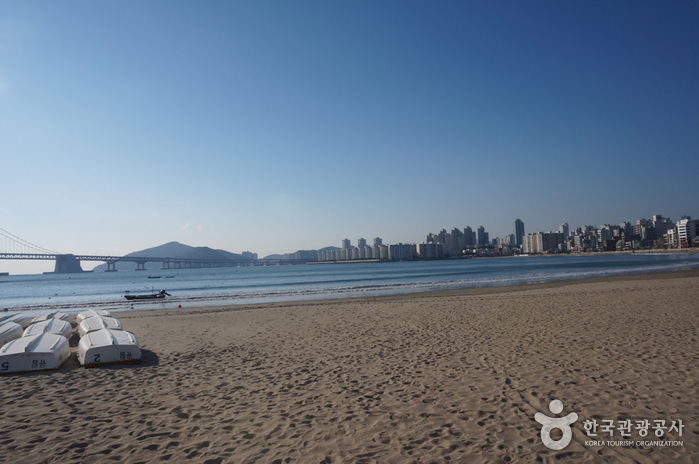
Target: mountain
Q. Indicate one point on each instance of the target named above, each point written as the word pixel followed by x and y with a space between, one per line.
pixel 172 250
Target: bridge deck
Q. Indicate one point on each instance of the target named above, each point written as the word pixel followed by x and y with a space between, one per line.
pixel 140 260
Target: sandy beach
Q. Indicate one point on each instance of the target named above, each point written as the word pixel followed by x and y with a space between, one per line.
pixel 452 376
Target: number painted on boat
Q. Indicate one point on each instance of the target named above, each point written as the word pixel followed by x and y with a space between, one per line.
pixel 97 357
pixel 5 365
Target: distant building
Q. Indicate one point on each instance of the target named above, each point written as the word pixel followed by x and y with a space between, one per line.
pixel 672 240
pixel 543 242
pixel 378 241
pixel 603 234
pixel 383 252
pixel 687 231
pixel 361 243
pixel 661 225
pixel 518 231
pixel 401 252
pixel 456 242
pixel 442 237
pixel 482 236
pixel 305 255
pixel 469 240
pixel 430 250
pixel 346 244
pixel 564 229
pixel 505 241
pixel 626 228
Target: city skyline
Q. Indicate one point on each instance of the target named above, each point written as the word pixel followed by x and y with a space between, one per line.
pixel 271 127
pixel 480 238
pixel 518 226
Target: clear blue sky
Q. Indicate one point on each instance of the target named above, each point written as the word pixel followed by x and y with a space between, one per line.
pixel 273 126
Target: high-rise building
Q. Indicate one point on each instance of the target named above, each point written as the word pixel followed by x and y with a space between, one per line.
pixel 443 236
pixel 542 242
pixel 518 231
pixel 661 225
pixel 687 231
pixel 564 229
pixel 378 241
pixel 361 243
pixel 626 228
pixel 457 242
pixel 468 237
pixel 346 244
pixel 482 236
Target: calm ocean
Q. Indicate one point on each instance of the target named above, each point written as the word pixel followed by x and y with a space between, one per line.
pixel 198 287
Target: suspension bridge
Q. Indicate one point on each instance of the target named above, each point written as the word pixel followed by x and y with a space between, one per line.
pixel 16 248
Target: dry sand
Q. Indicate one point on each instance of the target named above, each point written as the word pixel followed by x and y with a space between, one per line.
pixel 437 377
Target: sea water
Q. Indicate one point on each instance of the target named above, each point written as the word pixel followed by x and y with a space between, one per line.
pixel 240 285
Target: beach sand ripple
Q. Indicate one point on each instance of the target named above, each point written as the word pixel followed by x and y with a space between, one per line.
pixel 443 377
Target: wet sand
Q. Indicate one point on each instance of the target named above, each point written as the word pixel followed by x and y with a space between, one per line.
pixel 451 376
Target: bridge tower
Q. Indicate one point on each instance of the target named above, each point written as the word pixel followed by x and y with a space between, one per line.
pixel 67 264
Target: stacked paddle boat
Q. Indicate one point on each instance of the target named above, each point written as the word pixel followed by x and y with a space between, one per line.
pixel 41 352
pixel 91 313
pixel 102 341
pixel 94 323
pixel 12 327
pixel 20 319
pixel 44 343
pixel 9 331
pixel 108 346
pixel 54 326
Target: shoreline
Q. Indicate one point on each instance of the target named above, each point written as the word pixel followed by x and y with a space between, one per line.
pixel 228 300
pixel 440 293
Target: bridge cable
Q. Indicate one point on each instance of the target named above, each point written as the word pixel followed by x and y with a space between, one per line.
pixel 11 238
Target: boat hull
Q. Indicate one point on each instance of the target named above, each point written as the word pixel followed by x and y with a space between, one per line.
pixel 91 313
pixel 34 353
pixel 143 297
pixel 92 324
pixel 46 317
pixel 20 319
pixel 56 326
pixel 9 331
pixel 107 346
pixel 150 296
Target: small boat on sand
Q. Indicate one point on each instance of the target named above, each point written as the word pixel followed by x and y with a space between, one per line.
pixel 55 326
pixel 47 316
pixel 20 319
pixel 149 296
pixel 42 352
pixel 108 347
pixel 92 324
pixel 9 331
pixel 91 313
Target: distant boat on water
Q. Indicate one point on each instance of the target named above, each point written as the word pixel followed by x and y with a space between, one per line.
pixel 149 296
